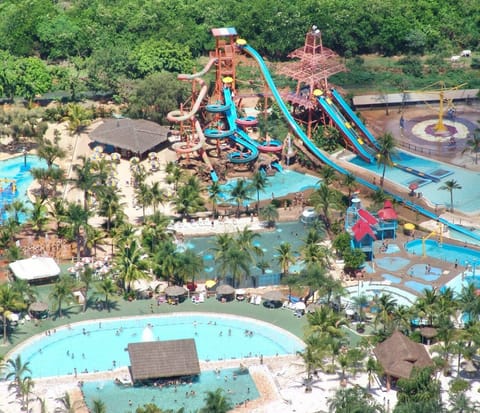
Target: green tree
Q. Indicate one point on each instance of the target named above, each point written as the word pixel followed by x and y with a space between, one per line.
pixel 216 402
pixel 270 214
pixel 130 264
pixel 450 186
pixel 420 392
pixel 62 291
pixel 17 372
pixel 385 153
pixel 10 300
pixel 259 183
pixel 285 257
pixel 353 400
pixel 107 288
pixel 240 193
pixel 472 144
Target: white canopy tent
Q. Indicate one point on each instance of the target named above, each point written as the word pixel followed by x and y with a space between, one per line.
pixel 35 269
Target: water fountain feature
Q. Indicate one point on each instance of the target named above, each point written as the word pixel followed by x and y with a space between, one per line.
pixel 147 334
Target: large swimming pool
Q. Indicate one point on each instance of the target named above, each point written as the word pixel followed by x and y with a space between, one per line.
pixel 465 200
pixel 15 179
pixel 100 345
pixel 445 252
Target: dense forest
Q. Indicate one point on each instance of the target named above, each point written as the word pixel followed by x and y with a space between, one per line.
pixel 77 45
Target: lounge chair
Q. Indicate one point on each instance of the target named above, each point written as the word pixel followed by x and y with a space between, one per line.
pixel 253 299
pixel 201 298
pixel 258 300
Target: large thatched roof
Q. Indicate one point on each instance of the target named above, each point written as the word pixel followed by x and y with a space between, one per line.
pixel 163 359
pixel 398 355
pixel 135 135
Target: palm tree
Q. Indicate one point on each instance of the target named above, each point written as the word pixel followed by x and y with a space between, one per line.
pixel 385 153
pixel 270 214
pixel 67 404
pixel 50 150
pixel 143 197
pixel 130 264
pixel 27 291
pixel 328 174
pixel 190 265
pixel 450 186
pixel 62 290
pixel 38 217
pixel 216 402
pixel 324 200
pixel 237 263
pixel 87 179
pixel 188 199
pixel 25 388
pixel 18 372
pixel 86 278
pixel 349 182
pixel 110 206
pixel 77 218
pixel 325 321
pixel 174 174
pixel 16 207
pixel 312 356
pixel 473 144
pixel 107 288
pixel 99 406
pixel 285 257
pixel 10 300
pixel 214 195
pixel 240 193
pixel 158 196
pixel 259 182
pixel 386 304
pixel 78 118
pixel 361 301
pixel 353 399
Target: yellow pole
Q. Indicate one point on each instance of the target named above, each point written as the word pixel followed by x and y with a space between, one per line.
pixel 440 127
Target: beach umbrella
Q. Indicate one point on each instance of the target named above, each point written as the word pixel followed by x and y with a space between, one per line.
pixel 115 156
pixel 96 156
pixel 413 186
pixel 134 160
pixel 38 306
pixel 152 155
pixel 225 289
pixel 107 157
pixel 210 283
pixel 86 260
pixel 98 149
pixel 175 291
pixel 72 270
pixel 274 296
pixel 300 305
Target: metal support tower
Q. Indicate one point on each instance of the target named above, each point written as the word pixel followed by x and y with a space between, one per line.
pixel 225 54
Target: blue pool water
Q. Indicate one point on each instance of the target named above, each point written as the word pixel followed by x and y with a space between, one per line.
pixel 421 271
pixel 445 252
pixel 95 346
pixel 392 263
pixel 391 278
pixel 417 286
pixel 14 170
pixel 465 200
pixel 117 397
pixel 278 185
pixel 371 290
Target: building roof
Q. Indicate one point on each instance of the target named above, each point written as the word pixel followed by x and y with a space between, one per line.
pixel 35 268
pixel 361 229
pixel 136 135
pixel 163 359
pixel 398 355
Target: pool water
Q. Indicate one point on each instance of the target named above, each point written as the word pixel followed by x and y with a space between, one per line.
pixel 391 278
pixel 417 286
pixel 465 200
pixel 392 263
pixel 18 171
pixel 100 345
pixel 291 232
pixel 445 252
pixel 372 290
pixel 116 398
pixel 279 185
pixel 421 271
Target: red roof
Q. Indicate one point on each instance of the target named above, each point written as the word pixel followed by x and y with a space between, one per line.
pixel 361 229
pixel 367 216
pixel 387 204
pixel 387 214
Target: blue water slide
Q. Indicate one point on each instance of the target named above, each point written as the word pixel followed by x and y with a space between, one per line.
pixel 214 176
pixel 239 136
pixel 326 159
pixel 277 166
pixel 354 118
pixel 344 127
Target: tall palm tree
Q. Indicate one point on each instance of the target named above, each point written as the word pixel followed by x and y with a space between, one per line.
pixel 130 264
pixel 190 265
pixel 386 153
pixel 175 174
pixel 77 218
pixel 159 196
pixel 328 174
pixel 270 214
pixel 259 182
pixel 324 200
pixel 240 193
pixel 18 371
pixel 27 291
pixel 143 197
pixel 86 279
pixel 237 263
pixel 216 402
pixel 188 199
pixel 245 241
pixel 386 304
pixel 110 206
pixel 285 257
pixel 62 290
pixel 349 182
pixel 99 406
pixel 10 300
pixel 214 195
pixel 16 207
pixel 312 356
pixel 473 144
pixel 86 179
pixel 107 288
pixel 78 118
pixel 67 404
pixel 353 399
pixel 450 186
pixel 327 322
pixel 49 150
pixel 38 217
pixel 26 388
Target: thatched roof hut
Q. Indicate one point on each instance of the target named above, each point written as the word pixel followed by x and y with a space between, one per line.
pixel 163 359
pixel 398 355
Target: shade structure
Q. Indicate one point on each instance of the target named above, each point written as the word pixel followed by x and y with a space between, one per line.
pixel 210 283
pixel 225 289
pixel 387 214
pixel 300 305
pixel 274 296
pixel 115 156
pixel 413 186
pixel 152 155
pixel 98 149
pixel 175 291
pixel 38 306
pixel 409 226
pixel 428 332
pixel 134 159
pixel 95 156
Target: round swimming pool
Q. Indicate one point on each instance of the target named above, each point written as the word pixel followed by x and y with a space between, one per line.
pixel 100 345
pixel 446 252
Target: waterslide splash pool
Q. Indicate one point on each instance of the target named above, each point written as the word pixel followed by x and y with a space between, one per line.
pixel 442 251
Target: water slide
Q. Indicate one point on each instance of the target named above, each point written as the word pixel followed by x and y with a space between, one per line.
pixel 367 153
pixel 361 126
pixel 178 116
pixel 354 118
pixel 326 159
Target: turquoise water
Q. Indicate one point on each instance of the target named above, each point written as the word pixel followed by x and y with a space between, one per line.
pixel 445 252
pixel 417 286
pixel 291 232
pixel 465 200
pixel 420 271
pixel 391 278
pixel 100 345
pixel 14 169
pixel 371 290
pixel 279 185
pixel 392 263
pixel 117 398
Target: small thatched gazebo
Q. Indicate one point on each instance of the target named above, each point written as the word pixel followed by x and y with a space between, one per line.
pixel 163 359
pixel 225 292
pixel 398 355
